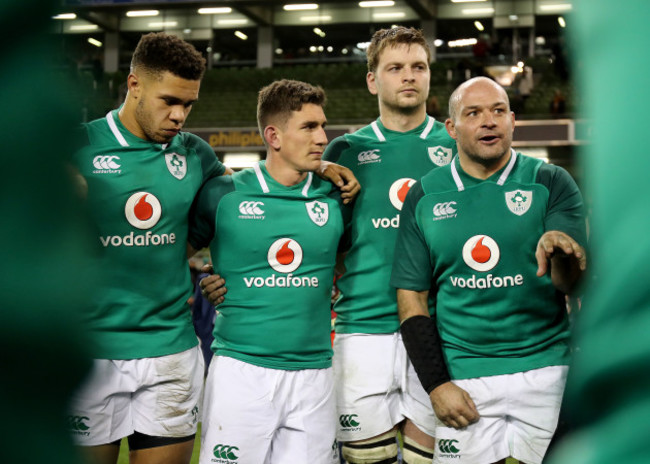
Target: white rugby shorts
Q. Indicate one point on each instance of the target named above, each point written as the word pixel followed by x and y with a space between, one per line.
pixel 377 387
pixel 158 396
pixel 518 416
pixel 257 415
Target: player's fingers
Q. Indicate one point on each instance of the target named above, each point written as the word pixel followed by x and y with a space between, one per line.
pixel 208 280
pixel 472 414
pixel 542 261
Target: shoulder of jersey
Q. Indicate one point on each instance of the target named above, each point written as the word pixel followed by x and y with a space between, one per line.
pixel 529 166
pixel 363 135
pixel 439 130
pixel 437 178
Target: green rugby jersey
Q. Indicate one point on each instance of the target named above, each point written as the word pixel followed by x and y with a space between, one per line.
pixel 139 197
pixel 276 247
pixel 473 243
pixel 386 163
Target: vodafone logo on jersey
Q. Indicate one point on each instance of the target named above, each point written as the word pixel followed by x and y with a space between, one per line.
pixel 143 210
pixel 398 191
pixel 481 253
pixel 285 255
pixel 397 195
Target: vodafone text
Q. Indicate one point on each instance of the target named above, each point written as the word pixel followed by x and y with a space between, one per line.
pixel 386 223
pixel 146 239
pixel 488 281
pixel 281 281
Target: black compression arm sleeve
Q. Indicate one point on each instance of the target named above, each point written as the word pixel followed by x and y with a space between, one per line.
pixel 422 343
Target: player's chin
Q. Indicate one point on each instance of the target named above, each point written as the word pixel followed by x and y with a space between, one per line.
pixel 313 163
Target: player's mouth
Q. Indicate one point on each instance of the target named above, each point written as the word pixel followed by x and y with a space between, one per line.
pixel 489 139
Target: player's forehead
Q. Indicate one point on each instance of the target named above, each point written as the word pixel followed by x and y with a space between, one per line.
pixel 402 53
pixel 308 113
pixel 168 84
pixel 482 93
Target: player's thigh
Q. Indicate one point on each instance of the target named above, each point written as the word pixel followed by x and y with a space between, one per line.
pixel 308 429
pixel 168 399
pixel 416 403
pixel 239 415
pixel 535 398
pixel 100 410
pixel 484 441
pixel 367 384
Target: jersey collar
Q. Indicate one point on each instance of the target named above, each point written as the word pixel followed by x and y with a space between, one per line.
pixel 502 178
pixel 379 129
pixel 119 131
pixel 260 169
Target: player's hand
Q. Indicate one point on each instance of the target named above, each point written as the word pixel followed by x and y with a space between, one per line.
pixel 453 406
pixel 566 257
pixel 342 177
pixel 213 287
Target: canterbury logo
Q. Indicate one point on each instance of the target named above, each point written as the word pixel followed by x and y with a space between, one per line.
pixel 251 208
pixel 448 446
pixel 225 452
pixel 348 420
pixel 77 423
pixel 370 155
pixel 106 162
pixel 444 209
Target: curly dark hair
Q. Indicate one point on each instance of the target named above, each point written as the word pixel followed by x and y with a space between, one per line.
pixel 384 38
pixel 280 98
pixel 158 52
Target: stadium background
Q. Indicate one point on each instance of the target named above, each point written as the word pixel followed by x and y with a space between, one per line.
pixel 247 44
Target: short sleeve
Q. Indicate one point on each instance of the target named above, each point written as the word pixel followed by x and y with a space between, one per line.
pixel 203 214
pixel 565 205
pixel 335 149
pixel 210 164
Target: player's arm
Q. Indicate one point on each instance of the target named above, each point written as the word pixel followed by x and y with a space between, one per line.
pixel 561 247
pixel 210 164
pixel 411 276
pixel 452 405
pixel 202 231
pixel 339 175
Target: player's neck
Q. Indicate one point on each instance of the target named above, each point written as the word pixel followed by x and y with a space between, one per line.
pixel 400 121
pixel 482 169
pixel 283 173
pixel 127 118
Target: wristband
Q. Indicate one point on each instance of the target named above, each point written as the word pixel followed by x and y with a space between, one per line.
pixel 422 343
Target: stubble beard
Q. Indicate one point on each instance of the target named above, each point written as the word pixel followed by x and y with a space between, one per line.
pixel 144 120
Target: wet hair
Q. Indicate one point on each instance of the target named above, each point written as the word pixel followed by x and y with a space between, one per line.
pixel 158 52
pixel 279 99
pixel 399 35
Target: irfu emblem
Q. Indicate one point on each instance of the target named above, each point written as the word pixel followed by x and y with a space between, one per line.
pixel 440 156
pixel 318 212
pixel 177 164
pixel 519 201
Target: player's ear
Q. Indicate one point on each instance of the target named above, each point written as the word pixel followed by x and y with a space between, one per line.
pixel 371 83
pixel 273 137
pixel 451 128
pixel 134 84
